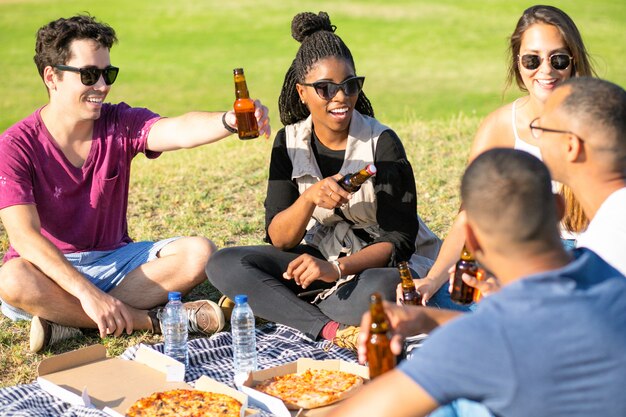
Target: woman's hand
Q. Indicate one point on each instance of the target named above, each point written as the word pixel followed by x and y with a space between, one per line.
pixel 426 287
pixel 327 193
pixel 306 268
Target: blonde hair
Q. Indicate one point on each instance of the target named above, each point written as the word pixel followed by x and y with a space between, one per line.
pixel 574 219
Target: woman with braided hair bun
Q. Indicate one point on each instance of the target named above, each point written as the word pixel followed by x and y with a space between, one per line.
pixel 330 249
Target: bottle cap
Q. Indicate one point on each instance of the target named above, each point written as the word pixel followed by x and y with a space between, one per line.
pixel 241 299
pixel 238 71
pixel 371 169
pixel 174 295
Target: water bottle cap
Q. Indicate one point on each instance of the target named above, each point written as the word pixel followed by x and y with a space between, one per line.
pixel 241 298
pixel 174 295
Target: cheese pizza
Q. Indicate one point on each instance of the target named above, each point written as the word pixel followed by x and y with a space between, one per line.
pixel 185 403
pixel 312 388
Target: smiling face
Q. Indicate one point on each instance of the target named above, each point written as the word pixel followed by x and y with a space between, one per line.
pixel 330 117
pixel 543 40
pixel 67 92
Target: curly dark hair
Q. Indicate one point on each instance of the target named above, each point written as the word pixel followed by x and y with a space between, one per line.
pixel 318 41
pixel 54 39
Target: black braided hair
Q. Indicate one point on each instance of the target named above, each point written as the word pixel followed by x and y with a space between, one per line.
pixel 318 41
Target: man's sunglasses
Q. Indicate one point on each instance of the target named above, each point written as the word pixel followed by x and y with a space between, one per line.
pixel 328 89
pixel 90 75
pixel 559 61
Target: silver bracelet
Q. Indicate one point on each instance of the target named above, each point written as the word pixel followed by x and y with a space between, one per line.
pixel 227 126
pixel 336 265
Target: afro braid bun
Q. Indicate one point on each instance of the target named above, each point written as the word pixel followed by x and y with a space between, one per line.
pixel 307 23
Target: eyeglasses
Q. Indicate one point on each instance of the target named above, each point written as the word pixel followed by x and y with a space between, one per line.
pixel 90 75
pixel 328 89
pixel 558 61
pixel 537 130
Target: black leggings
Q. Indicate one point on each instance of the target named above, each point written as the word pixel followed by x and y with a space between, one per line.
pixel 257 271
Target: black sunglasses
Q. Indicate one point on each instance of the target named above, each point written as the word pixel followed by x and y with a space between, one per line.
pixel 328 89
pixel 90 75
pixel 558 61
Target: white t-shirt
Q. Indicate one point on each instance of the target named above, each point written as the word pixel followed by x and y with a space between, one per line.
pixel 606 234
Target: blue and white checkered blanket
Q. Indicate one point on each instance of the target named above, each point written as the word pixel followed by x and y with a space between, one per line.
pixel 276 345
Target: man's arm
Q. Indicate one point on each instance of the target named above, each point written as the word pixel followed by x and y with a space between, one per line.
pixel 23 227
pixel 199 128
pixel 391 394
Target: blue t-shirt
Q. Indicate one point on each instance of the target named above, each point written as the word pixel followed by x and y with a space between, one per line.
pixel 551 344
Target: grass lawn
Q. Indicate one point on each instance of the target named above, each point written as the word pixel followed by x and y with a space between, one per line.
pixel 434 70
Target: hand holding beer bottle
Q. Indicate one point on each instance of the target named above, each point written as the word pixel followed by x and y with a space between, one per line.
pixel 410 296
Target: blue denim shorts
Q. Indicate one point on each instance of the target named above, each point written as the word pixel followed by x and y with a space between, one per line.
pixel 105 269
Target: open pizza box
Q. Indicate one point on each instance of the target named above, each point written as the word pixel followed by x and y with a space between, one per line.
pixel 275 405
pixel 87 377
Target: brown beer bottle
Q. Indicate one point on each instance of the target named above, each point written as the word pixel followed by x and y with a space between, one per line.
pixel 379 356
pixel 244 108
pixel 352 182
pixel 410 296
pixel 461 292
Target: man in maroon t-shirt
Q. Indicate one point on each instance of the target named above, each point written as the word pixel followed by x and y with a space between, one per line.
pixel 64 177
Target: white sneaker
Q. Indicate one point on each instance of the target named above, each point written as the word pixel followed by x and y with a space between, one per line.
pixel 44 333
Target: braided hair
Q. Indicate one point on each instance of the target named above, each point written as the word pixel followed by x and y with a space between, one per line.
pixel 317 41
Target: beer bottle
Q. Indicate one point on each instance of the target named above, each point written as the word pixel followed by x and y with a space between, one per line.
pixel 352 182
pixel 244 108
pixel 410 295
pixel 379 356
pixel 461 292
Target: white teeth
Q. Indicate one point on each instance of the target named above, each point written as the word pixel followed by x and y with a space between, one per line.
pixel 343 110
pixel 546 82
pixel 94 100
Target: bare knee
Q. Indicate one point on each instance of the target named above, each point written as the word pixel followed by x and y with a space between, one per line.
pixel 17 279
pixel 194 253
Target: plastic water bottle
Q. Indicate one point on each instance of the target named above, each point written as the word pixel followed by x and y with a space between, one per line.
pixel 244 341
pixel 174 327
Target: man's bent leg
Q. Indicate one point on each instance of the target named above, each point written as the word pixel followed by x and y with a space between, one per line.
pixel 25 287
pixel 179 266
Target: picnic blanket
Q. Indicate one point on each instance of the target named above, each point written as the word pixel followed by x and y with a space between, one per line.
pixel 276 345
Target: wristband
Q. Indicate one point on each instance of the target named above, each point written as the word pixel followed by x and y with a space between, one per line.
pixel 227 126
pixel 336 265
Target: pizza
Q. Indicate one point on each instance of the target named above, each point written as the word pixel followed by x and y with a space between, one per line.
pixel 185 403
pixel 312 388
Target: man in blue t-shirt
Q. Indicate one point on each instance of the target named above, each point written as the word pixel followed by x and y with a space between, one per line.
pixel 551 342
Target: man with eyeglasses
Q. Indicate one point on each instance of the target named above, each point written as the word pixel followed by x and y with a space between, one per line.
pixel 64 178
pixel 549 343
pixel 582 134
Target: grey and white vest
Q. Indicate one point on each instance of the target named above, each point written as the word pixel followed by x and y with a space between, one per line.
pixel 329 232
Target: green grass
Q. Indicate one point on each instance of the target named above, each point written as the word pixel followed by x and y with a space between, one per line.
pixel 434 70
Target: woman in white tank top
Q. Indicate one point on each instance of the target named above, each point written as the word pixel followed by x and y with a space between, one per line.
pixel 546 49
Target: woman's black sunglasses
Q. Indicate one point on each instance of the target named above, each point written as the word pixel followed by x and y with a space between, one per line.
pixel 328 89
pixel 90 75
pixel 559 61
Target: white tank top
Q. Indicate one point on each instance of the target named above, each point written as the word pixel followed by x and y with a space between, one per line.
pixel 519 143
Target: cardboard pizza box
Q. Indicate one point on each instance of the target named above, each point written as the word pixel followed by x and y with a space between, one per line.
pixel 276 406
pixel 87 377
